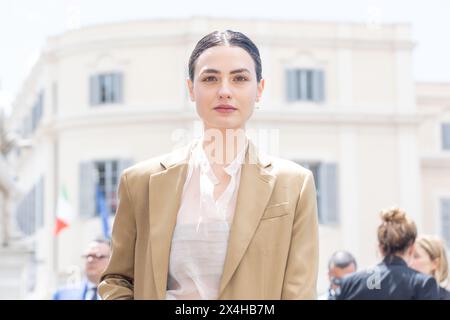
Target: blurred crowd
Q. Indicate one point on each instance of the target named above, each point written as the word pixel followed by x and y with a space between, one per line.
pixel 413 267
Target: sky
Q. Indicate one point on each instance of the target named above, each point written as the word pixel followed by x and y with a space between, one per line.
pixel 25 24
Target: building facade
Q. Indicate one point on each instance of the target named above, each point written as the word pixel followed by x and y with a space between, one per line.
pixel 433 102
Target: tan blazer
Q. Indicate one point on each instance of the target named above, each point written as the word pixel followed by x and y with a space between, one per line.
pixel 273 245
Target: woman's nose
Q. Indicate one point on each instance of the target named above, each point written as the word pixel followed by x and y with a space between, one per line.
pixel 224 91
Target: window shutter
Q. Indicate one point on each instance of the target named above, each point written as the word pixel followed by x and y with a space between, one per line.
pixel 445 221
pixel 309 85
pixel 91 90
pixel 446 136
pixel 118 88
pixel 318 90
pixel 88 178
pixel 94 91
pixel 40 203
pixel 328 193
pixel 291 85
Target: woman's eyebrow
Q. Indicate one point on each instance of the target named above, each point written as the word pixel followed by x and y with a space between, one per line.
pixel 239 71
pixel 231 72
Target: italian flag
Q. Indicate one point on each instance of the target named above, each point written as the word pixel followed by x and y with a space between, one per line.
pixel 64 212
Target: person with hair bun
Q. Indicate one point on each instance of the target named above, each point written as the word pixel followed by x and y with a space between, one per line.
pixel 392 278
pixel 429 257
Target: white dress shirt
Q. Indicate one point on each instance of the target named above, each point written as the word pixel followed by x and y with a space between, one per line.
pixel 200 237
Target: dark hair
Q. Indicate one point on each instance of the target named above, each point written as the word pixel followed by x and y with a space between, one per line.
pixel 341 259
pixel 225 38
pixel 396 233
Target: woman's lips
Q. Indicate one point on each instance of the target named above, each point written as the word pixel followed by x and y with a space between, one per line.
pixel 225 108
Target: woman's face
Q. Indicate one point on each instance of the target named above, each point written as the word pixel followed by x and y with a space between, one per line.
pixel 422 262
pixel 225 88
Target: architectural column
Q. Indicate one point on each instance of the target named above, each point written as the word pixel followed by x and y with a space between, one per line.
pixel 349 190
pixel 409 173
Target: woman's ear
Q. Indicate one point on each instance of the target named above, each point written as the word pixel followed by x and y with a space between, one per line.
pixel 435 263
pixel 190 86
pixel 259 90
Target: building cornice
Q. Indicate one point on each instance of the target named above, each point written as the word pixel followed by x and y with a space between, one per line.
pixel 62 50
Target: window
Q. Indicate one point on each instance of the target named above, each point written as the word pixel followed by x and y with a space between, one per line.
pixel 446 136
pixel 325 179
pixel 37 111
pixel 305 85
pixel 445 220
pixel 106 183
pixel 30 211
pixel 31 120
pixel 106 88
pixel 98 183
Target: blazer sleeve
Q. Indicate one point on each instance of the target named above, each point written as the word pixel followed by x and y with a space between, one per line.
pixel 302 266
pixel 117 280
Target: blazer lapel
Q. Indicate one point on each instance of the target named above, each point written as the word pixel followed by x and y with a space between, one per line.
pixel 165 190
pixel 255 189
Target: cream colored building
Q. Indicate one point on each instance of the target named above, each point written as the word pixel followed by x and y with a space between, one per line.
pixel 340 98
pixel 433 101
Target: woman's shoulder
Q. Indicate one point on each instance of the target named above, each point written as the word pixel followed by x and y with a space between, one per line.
pixel 284 166
pixel 144 169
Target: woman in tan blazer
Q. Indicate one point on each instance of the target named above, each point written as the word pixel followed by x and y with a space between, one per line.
pixel 216 219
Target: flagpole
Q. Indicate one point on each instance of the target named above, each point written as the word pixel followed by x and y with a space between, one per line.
pixel 55 207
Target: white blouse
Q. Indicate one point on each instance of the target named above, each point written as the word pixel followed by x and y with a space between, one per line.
pixel 200 237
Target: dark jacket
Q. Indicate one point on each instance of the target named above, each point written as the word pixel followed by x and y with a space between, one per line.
pixel 444 294
pixel 391 279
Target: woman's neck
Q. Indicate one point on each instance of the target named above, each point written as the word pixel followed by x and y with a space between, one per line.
pixel 223 145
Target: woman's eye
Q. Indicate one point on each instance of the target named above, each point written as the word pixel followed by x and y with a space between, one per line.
pixel 241 78
pixel 209 79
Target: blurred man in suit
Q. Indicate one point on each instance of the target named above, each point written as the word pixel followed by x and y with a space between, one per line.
pixel 96 259
pixel 340 264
